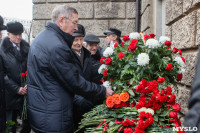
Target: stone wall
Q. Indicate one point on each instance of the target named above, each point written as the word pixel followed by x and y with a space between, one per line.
pixel 182 20
pixel 97 16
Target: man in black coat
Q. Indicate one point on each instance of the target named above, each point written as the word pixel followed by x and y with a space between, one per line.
pixel 2 89
pixel 14 54
pixel 92 44
pixel 83 62
pixel 53 78
pixel 192 118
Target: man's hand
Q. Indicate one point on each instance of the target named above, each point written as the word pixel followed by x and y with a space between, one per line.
pixel 109 92
pixel 22 90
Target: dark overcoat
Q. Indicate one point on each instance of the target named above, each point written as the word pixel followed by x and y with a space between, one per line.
pixel 14 63
pixel 53 79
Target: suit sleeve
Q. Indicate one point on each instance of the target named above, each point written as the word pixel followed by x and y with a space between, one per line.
pixel 62 67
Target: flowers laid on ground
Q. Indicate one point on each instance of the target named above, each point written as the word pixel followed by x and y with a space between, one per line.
pixel 142 76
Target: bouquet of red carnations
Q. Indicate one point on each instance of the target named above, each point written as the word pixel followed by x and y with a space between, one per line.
pixel 142 71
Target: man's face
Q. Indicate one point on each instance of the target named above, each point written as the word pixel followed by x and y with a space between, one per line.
pixel 70 25
pixel 78 43
pixel 110 38
pixel 15 38
pixel 92 47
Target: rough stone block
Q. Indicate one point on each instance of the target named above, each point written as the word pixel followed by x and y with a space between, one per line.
pixel 188 4
pixel 130 10
pixel 174 9
pixel 168 32
pixel 126 26
pixel 145 20
pixel 190 66
pixel 103 42
pixel 56 1
pixel 37 27
pixel 38 1
pixel 183 97
pixel 43 11
pixel 109 10
pixel 183 32
pixel 94 26
pixel 198 28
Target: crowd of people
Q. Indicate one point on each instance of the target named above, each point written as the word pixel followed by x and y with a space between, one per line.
pixel 63 81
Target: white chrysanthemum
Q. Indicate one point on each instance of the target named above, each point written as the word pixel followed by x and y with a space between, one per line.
pixel 142 109
pixel 102 68
pixel 107 84
pixel 179 61
pixel 163 39
pixel 149 110
pixel 143 59
pixel 108 52
pixel 152 43
pixel 182 70
pixel 134 35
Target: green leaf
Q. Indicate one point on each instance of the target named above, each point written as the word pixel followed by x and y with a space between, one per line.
pixel 131 93
pixel 155 118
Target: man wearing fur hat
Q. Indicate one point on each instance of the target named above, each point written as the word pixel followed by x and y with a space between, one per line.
pixel 14 53
pixel 2 89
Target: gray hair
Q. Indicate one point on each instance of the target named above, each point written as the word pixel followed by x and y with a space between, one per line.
pixel 62 10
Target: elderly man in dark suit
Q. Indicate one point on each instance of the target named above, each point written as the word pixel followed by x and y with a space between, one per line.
pixel 53 78
pixel 14 54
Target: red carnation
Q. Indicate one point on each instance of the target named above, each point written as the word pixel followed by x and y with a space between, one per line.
pixel 152 35
pixel 168 43
pixel 146 37
pixel 116 44
pixel 23 75
pixel 102 60
pixel 161 79
pixel 122 44
pixel 169 67
pixel 176 107
pixel 175 50
pixel 179 76
pixel 180 52
pixel 126 38
pixel 172 99
pixel 168 90
pixel 173 114
pixel 121 55
pixel 128 130
pixel 183 59
pixel 132 47
pixel 105 73
pixel 108 61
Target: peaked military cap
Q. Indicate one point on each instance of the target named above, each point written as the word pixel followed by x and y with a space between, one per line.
pixel 113 31
pixel 80 31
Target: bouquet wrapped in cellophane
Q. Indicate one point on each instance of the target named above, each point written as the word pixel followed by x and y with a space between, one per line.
pixel 142 71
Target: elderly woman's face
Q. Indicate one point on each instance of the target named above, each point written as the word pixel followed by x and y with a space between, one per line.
pixel 111 37
pixel 92 47
pixel 78 43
